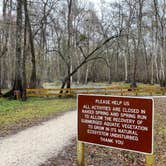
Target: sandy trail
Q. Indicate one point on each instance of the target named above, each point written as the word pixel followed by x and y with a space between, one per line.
pixel 35 145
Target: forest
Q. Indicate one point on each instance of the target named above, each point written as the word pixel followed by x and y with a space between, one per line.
pixel 77 74
pixel 73 41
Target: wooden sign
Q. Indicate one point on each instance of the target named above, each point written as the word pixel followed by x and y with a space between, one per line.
pixel 119 122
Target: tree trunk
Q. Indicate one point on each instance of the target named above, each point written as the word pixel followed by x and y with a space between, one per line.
pixel 69 78
pixel 126 67
pixel 129 66
pixel 134 84
pixel 157 69
pixel 69 26
pixel 17 85
pixel 136 52
pixel 86 74
pixel 18 70
pixel 152 69
pixel 25 49
pixel 162 70
pixel 79 72
pixel 116 65
pixel 33 60
pixel 138 45
pixel 110 75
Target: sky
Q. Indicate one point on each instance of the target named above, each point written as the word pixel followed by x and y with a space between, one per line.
pixel 96 2
pixel 97 5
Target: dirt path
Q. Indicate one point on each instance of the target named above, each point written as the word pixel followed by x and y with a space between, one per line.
pixel 35 145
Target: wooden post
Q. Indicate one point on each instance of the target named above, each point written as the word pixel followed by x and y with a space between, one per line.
pixel 17 94
pixel 47 93
pixel 150 160
pixel 121 91
pixel 136 92
pixel 105 91
pixel 163 91
pixel 69 91
pixel 80 154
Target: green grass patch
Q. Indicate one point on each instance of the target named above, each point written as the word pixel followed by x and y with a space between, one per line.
pixel 12 111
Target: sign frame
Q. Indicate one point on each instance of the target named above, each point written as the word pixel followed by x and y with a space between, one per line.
pixel 113 147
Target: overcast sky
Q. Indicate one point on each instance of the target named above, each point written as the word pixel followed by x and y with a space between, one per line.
pixel 97 5
pixel 96 2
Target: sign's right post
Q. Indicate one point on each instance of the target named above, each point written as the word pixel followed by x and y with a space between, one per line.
pixel 150 160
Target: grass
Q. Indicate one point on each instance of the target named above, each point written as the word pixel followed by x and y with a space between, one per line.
pixel 12 111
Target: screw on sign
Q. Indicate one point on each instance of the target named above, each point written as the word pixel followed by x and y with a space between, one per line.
pixel 118 122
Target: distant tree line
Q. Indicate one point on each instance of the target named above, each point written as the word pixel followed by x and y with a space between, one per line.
pixel 68 40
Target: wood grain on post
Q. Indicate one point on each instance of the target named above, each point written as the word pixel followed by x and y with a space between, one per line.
pixel 80 154
pixel 150 160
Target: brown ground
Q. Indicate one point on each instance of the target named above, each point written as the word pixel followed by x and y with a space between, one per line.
pixel 101 156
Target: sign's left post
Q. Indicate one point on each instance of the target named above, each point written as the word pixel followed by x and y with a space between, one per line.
pixel 80 154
